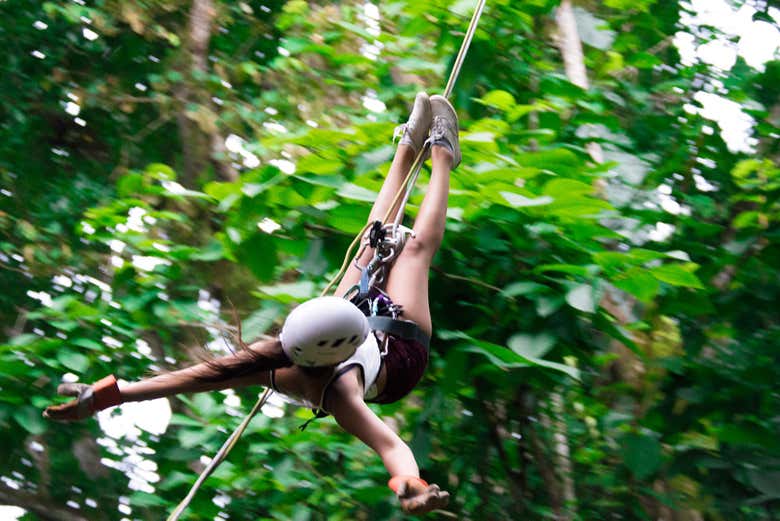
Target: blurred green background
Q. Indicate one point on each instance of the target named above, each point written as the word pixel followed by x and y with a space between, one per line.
pixel 605 301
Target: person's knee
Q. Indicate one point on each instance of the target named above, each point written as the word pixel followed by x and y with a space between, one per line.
pixel 422 246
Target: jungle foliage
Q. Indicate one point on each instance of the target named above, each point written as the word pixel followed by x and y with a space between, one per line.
pixel 606 337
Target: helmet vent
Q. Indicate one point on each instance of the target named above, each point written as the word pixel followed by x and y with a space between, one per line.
pixel 338 342
pixel 322 343
pixel 352 340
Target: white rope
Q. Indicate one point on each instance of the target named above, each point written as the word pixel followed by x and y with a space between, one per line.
pixel 464 48
pixel 415 170
pixel 220 455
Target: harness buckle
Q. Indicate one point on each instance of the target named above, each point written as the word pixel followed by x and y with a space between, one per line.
pixel 376 234
pixel 387 241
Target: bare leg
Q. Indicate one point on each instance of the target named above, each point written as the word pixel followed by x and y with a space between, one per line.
pixel 407 283
pixel 402 162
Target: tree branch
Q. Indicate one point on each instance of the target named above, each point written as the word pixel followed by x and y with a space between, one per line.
pixel 466 279
pixel 44 508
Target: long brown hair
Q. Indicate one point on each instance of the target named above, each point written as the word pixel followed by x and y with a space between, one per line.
pixel 263 355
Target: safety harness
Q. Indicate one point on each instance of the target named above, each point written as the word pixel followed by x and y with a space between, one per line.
pixel 383 315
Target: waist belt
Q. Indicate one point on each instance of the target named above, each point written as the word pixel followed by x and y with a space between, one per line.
pixel 400 328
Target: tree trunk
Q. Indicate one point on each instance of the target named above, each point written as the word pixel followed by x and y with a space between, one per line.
pixel 568 40
pixel 546 466
pixel 562 454
pixel 200 138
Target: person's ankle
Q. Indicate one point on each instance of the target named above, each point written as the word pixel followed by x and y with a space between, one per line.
pixel 405 150
pixel 441 152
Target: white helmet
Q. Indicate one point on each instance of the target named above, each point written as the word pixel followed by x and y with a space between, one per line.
pixel 323 331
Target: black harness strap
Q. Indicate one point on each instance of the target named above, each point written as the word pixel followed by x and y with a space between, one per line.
pixel 400 328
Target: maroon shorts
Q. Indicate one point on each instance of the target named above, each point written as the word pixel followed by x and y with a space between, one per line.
pixel 404 364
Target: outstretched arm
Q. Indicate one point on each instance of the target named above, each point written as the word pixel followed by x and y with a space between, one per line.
pixel 353 415
pixel 193 379
pixel 246 367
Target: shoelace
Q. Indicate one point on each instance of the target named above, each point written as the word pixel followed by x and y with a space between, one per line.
pixel 404 130
pixel 439 133
pixel 399 131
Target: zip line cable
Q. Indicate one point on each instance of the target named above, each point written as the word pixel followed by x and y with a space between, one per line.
pixel 399 202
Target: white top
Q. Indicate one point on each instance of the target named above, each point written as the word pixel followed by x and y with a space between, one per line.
pixel 367 356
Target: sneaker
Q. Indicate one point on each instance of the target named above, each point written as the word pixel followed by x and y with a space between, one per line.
pixel 415 131
pixel 444 127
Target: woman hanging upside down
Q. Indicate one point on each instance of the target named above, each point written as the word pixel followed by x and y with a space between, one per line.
pixel 354 365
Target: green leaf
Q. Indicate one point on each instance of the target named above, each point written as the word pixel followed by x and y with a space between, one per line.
pixel 531 346
pixel 756 174
pixel 259 254
pixel 348 217
pixel 189 438
pixel 507 359
pixel 180 419
pixel 582 297
pixel 290 291
pixel 175 190
pixel 547 305
pixel 30 419
pixel 65 325
pixel 572 269
pixel 213 251
pixel 644 60
pixel 626 5
pixel 639 283
pixel 220 191
pixel 568 188
pixel 87 343
pixel 262 319
pixel 144 500
pixel 678 275
pixel 612 260
pixel 499 99
pixel 318 165
pixel 23 339
pixel 749 219
pixel 557 160
pixel 160 172
pixel 72 360
pixel 130 184
pixel 357 193
pixel 697 440
pixel 518 201
pixel 577 207
pixel 641 454
pixel 518 111
pixel 524 288
pixel 207 406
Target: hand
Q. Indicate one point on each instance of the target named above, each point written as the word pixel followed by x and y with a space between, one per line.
pixel 80 408
pixel 418 498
